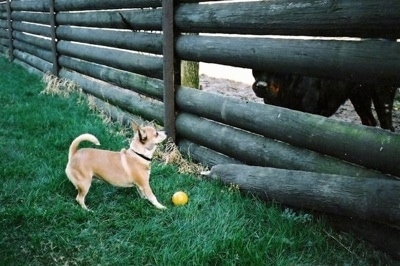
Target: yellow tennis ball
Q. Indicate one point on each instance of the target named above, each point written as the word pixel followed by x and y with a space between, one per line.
pixel 180 198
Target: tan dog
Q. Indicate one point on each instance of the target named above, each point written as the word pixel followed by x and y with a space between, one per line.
pixel 123 169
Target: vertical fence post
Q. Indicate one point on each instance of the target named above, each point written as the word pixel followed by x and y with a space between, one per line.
pixel 53 38
pixel 10 33
pixel 171 73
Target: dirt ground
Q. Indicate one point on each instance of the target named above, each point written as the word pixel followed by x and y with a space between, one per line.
pixel 243 91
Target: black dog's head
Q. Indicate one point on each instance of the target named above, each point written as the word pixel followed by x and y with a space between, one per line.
pixel 269 86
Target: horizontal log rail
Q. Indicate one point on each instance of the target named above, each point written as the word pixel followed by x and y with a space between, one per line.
pixel 146 19
pixel 33 40
pixel 33 50
pixel 37 5
pixel 122 59
pixel 371 147
pixel 135 41
pixel 363 61
pixel 78 5
pixel 125 99
pixel 42 30
pixel 366 19
pixel 141 84
pixel 33 61
pixel 256 150
pixel 35 17
pixel 369 199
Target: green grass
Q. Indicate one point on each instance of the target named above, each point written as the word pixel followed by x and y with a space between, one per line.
pixel 41 224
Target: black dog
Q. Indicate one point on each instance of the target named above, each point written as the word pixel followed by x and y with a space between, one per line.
pixel 324 97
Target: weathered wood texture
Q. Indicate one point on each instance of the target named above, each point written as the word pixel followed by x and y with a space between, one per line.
pixel 207 157
pixel 3 24
pixel 366 198
pixel 198 1
pixel 368 19
pixel 169 68
pixel 347 197
pixel 141 84
pixel 33 40
pixel 78 5
pixel 136 41
pixel 34 50
pixel 122 59
pixel 3 7
pixel 4 33
pixel 146 19
pixel 365 61
pixel 4 42
pixel 42 30
pixel 54 38
pixel 10 30
pixel 28 67
pixel 37 5
pixel 3 49
pixel 125 99
pixel 33 61
pixel 113 112
pixel 370 147
pixel 256 150
pixel 35 17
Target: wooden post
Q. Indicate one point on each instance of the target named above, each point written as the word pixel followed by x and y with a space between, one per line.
pixel 10 36
pixel 53 38
pixel 170 69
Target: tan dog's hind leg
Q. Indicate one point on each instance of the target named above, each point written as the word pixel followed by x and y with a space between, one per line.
pixel 82 192
pixel 82 187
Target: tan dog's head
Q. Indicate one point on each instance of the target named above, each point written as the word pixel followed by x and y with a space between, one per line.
pixel 146 138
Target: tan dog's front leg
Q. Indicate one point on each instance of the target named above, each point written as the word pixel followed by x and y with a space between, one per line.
pixel 141 194
pixel 148 194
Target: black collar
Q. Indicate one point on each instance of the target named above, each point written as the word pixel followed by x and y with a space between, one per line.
pixel 143 156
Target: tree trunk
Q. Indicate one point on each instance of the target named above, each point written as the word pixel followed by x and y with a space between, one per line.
pixel 190 74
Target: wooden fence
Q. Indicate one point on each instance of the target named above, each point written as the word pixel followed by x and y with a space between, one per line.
pixel 119 51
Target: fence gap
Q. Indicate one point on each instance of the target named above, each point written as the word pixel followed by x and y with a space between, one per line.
pixel 10 33
pixel 171 71
pixel 53 27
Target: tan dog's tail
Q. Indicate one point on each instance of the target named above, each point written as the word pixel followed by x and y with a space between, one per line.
pixel 74 145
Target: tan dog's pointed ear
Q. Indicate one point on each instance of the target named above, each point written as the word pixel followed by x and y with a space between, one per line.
pixel 135 126
pixel 142 134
